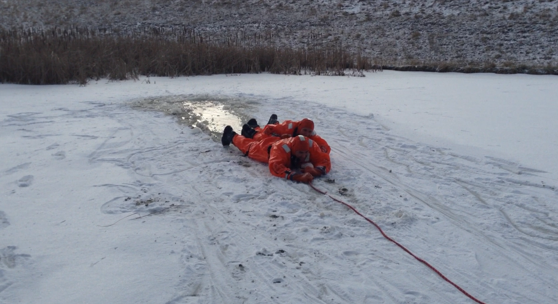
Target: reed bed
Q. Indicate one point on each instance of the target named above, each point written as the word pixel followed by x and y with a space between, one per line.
pixel 60 56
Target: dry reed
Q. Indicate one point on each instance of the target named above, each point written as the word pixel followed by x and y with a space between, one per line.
pixel 60 56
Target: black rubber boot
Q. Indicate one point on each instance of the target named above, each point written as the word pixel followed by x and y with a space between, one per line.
pixel 228 135
pixel 247 131
pixel 272 119
pixel 252 123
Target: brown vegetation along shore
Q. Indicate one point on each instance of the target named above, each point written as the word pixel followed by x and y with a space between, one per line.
pixel 508 68
pixel 60 56
pixel 64 56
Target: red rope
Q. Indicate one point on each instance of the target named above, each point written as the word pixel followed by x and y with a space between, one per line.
pixel 400 246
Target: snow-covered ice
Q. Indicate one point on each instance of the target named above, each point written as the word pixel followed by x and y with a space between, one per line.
pixel 120 192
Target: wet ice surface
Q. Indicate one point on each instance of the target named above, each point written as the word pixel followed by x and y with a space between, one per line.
pixel 209 113
pixel 212 115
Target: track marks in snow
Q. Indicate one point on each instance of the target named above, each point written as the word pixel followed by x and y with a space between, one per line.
pixel 17 168
pixel 4 222
pixel 25 181
pixel 269 256
pixel 253 238
pixel 393 176
pixel 10 261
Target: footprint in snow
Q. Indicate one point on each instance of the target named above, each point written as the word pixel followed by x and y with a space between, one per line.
pixel 52 147
pixel 3 220
pixel 10 259
pixel 59 155
pixel 25 181
pixel 17 168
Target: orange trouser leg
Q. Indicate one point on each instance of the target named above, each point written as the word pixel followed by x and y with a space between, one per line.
pixel 260 133
pixel 257 150
pixel 243 143
pixel 259 136
pixel 260 150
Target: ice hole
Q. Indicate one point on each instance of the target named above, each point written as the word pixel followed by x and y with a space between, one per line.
pixel 212 115
pixel 209 113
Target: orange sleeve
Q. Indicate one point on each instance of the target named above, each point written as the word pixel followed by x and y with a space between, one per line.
pixel 279 161
pixel 283 129
pixel 322 143
pixel 319 159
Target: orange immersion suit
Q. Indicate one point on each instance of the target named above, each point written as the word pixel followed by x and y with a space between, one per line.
pixel 288 128
pixel 278 153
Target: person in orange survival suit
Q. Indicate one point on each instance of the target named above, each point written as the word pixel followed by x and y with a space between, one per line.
pixel 296 158
pixel 288 128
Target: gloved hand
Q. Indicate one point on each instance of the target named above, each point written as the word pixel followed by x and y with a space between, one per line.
pixel 303 178
pixel 315 172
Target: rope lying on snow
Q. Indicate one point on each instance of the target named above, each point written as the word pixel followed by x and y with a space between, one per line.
pixel 396 243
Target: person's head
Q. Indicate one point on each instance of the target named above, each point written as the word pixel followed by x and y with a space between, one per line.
pixel 300 146
pixel 305 127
